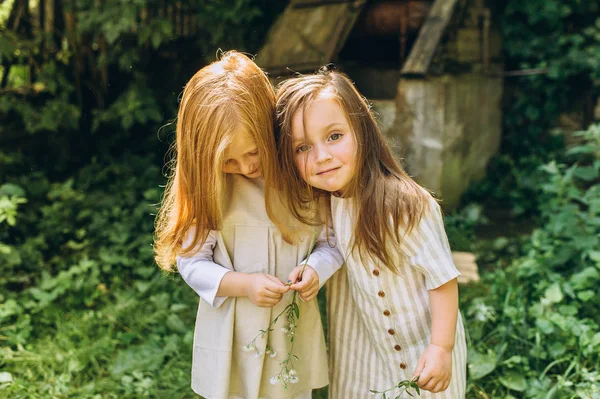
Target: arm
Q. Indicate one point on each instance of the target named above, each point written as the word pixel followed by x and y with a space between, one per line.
pixel 434 369
pixel 325 259
pixel 323 262
pixel 201 273
pixel 431 254
pixel 444 313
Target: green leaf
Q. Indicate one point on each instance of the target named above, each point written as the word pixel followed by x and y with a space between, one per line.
pixel 176 324
pixel 557 349
pixel 513 380
pixel 480 365
pixel 587 173
pixel 587 278
pixel 595 256
pixel 11 190
pixel 553 294
pixel 586 295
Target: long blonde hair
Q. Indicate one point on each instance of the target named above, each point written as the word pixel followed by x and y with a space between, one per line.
pixel 229 96
pixel 384 194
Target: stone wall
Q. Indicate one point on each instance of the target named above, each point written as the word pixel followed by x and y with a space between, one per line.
pixel 446 128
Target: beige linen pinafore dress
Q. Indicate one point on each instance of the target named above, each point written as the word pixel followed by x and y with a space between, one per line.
pixel 380 322
pixel 249 242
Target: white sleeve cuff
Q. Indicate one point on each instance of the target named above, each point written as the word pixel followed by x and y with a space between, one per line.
pixel 202 274
pixel 325 259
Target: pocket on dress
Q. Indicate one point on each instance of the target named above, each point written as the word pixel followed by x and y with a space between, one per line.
pixel 251 249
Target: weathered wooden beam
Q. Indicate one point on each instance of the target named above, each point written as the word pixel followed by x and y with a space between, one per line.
pixel 430 35
pixel 313 3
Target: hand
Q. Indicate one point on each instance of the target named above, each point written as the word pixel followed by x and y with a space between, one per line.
pixel 265 290
pixel 434 369
pixel 308 286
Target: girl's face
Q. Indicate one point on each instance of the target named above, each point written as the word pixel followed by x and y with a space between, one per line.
pixel 241 157
pixel 325 152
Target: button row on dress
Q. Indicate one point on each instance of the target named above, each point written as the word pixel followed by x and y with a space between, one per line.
pixel 381 294
pixel 402 365
pixel 375 272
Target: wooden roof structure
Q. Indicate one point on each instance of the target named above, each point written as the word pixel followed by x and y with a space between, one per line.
pixel 311 33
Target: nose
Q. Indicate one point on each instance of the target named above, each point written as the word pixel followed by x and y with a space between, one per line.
pixel 247 167
pixel 321 153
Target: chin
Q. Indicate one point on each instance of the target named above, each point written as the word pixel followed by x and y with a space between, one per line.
pixel 332 188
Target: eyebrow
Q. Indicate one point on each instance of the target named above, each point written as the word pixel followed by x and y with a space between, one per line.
pixel 327 127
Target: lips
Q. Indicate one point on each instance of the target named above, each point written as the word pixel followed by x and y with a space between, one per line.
pixel 327 171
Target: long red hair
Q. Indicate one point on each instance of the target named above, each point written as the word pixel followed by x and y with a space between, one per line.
pixel 227 97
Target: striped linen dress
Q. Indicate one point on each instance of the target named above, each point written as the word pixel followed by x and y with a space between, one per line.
pixel 380 322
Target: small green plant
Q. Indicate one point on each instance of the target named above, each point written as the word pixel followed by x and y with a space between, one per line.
pixel 398 391
pixel 287 373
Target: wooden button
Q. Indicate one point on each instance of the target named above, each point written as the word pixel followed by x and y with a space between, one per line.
pixel 375 272
pixel 391 331
pixel 386 312
pixel 402 365
pixel 397 347
pixel 381 294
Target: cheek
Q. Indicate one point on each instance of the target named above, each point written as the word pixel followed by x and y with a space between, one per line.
pixel 228 169
pixel 300 160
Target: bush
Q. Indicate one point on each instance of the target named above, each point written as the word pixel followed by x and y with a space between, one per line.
pixel 533 322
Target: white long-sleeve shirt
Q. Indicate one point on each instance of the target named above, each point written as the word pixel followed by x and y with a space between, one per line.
pixel 204 276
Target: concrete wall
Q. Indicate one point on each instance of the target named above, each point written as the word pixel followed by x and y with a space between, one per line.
pixel 446 128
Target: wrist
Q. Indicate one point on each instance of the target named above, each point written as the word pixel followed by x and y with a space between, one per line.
pixel 444 346
pixel 246 280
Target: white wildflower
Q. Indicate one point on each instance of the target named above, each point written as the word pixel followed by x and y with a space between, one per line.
pixel 293 372
pixel 272 354
pixel 294 379
pixel 249 348
pixel 274 380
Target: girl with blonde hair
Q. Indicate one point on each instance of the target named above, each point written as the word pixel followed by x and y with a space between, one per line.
pixel 393 310
pixel 223 225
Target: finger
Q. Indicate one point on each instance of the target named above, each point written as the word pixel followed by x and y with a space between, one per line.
pixel 433 381
pixel 270 295
pixel 439 387
pixel 446 385
pixel 307 298
pixel 274 279
pixel 424 378
pixel 309 295
pixel 268 303
pixel 419 369
pixel 301 285
pixel 277 288
pixel 293 276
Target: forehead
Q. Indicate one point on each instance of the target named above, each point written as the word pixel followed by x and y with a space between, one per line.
pixel 319 115
pixel 241 143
